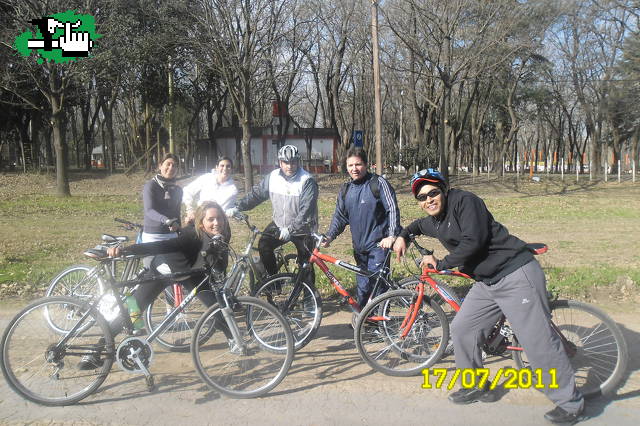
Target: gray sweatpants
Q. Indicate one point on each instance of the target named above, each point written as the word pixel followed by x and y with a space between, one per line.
pixel 522 296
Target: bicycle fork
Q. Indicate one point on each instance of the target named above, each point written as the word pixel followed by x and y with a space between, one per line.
pixel 227 314
pixel 412 313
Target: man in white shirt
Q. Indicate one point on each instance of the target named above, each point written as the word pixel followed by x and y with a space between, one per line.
pixel 216 186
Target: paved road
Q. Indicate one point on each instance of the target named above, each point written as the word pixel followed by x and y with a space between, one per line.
pixel 328 384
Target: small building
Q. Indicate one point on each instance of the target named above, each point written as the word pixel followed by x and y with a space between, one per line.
pixel 97 157
pixel 265 143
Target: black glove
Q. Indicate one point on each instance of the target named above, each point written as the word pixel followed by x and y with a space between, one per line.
pixel 173 224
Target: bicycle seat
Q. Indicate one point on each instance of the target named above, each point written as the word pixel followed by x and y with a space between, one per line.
pixel 537 248
pixel 96 253
pixel 112 239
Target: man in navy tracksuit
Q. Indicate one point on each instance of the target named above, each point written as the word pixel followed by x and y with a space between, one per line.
pixel 371 210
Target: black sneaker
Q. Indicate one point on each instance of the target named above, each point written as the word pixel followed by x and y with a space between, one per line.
pixel 560 416
pixel 92 361
pixel 449 349
pixel 467 396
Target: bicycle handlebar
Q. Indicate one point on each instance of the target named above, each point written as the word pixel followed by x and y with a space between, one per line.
pixel 127 224
pixel 241 216
pixel 423 251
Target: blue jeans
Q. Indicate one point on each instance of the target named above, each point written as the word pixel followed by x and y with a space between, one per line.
pixel 373 261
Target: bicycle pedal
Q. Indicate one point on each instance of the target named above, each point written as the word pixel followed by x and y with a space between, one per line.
pixel 150 382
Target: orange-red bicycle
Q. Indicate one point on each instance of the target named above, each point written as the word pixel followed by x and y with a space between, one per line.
pixel 400 334
pixel 298 300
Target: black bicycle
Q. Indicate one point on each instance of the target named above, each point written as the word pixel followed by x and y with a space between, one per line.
pixel 243 348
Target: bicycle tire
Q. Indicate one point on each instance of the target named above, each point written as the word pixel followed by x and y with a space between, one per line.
pixel 305 316
pixel 411 283
pixel 74 281
pixel 176 336
pixel 378 334
pixel 255 370
pixel 35 371
pixel 600 362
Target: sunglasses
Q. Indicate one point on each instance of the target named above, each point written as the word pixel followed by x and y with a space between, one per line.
pixel 431 194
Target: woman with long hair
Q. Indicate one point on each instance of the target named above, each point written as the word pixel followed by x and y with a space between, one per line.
pixel 162 198
pixel 182 254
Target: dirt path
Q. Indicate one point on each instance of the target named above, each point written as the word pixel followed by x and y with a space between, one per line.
pixel 327 384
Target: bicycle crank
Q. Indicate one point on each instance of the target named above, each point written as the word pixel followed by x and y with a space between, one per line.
pixel 134 355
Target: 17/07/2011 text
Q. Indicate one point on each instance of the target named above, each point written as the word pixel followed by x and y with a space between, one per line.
pixel 479 377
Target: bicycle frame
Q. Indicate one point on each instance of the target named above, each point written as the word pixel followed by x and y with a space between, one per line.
pixel 426 278
pixel 319 260
pixel 245 260
pixel 184 301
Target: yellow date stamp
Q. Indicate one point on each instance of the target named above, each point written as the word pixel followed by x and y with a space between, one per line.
pixel 479 377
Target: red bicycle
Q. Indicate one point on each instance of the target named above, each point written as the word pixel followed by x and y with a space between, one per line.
pixel 301 303
pixel 396 335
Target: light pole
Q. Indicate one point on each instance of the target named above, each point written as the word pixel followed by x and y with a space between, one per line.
pixel 401 126
pixel 376 85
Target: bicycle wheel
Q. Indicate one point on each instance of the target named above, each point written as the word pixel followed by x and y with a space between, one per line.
pixel 597 349
pixel 75 281
pixel 379 329
pixel 177 335
pixel 243 369
pixel 304 315
pixel 410 283
pixel 37 369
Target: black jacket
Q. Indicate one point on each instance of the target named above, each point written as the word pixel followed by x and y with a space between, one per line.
pixel 160 204
pixel 185 251
pixel 478 245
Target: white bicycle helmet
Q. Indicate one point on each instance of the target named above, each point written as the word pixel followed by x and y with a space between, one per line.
pixel 288 153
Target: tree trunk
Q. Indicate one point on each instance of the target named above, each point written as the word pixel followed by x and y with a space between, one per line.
pixel 147 137
pixel 56 97
pixel 60 146
pixel 36 125
pixel 110 142
pixel 211 129
pixel 246 154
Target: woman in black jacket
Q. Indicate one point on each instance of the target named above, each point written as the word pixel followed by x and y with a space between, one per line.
pixel 182 254
pixel 162 198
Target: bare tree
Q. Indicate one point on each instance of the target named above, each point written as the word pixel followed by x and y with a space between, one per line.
pixel 234 40
pixel 51 79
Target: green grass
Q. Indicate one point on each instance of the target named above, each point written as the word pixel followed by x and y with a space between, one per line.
pixel 582 282
pixel 76 206
pixel 593 230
